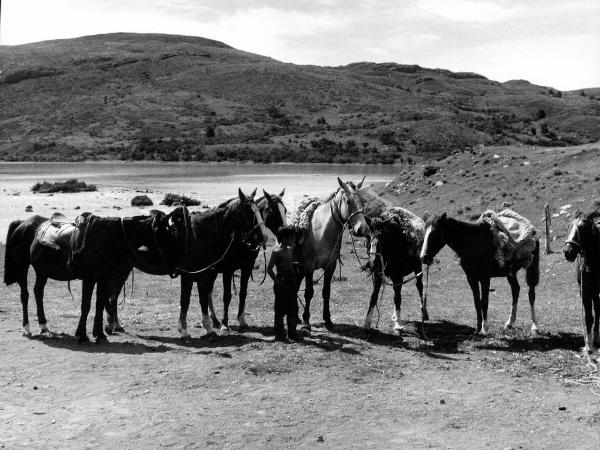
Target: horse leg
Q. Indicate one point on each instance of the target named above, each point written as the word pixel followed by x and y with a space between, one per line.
pixel 24 303
pixel 112 311
pixel 514 290
pixel 534 324
pixel 326 294
pixel 398 304
pixel 86 299
pixel 212 313
pixel 204 296
pixel 377 281
pixel 227 277
pixel 102 294
pixel 244 277
pixel 38 292
pixel 474 284
pixel 184 303
pixel 589 322
pixel 309 291
pixel 485 297
pixel 419 284
pixel 596 340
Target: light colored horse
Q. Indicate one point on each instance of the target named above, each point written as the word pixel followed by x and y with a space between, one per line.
pixel 322 240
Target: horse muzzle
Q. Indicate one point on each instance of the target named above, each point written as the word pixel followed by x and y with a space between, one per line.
pixel 570 252
pixel 427 260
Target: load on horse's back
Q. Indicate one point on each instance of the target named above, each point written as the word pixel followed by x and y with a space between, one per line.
pixel 394 246
pixel 486 249
pixel 323 223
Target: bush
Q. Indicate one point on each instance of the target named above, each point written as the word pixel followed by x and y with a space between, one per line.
pixel 429 170
pixel 141 200
pixel 176 199
pixel 210 131
pixel 68 186
pixel 541 114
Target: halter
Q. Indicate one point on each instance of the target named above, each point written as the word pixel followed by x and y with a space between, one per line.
pixel 336 215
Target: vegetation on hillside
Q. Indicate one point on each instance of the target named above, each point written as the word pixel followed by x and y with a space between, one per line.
pixel 134 97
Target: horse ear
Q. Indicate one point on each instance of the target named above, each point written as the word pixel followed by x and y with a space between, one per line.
pixel 343 185
pixel 282 192
pixel 267 195
pixel 444 216
pixel 359 185
pixel 241 194
pixel 253 193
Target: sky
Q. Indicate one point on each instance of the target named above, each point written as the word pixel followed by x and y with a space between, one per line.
pixel 548 42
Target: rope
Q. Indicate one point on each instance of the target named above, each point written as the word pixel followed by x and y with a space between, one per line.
pixel 265 267
pixel 210 266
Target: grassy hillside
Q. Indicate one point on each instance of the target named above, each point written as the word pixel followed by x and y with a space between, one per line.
pixel 148 96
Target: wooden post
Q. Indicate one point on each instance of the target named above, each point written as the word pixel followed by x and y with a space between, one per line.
pixel 548 221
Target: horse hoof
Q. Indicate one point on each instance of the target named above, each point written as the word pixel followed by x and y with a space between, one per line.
pixel 101 340
pixel 108 330
pixel 216 323
pixel 224 329
pixel 424 316
pixel 508 326
pixel 243 327
pixel 119 329
pixel 83 339
pixel 187 339
pixel 398 331
pixel 330 326
pixel 210 335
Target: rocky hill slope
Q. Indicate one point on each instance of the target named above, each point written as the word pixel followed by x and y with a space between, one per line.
pixel 148 96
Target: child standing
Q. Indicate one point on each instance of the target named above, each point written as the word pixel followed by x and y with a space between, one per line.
pixel 282 258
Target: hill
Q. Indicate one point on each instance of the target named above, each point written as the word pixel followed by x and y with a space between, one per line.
pixel 150 96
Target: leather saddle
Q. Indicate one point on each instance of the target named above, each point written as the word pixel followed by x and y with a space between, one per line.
pixel 56 232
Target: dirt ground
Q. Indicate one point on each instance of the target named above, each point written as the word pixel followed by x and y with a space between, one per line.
pixel 344 389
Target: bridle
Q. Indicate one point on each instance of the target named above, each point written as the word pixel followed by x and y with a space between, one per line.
pixel 336 213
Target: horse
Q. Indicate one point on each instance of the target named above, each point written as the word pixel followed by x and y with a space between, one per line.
pixel 394 244
pixel 321 242
pixel 477 247
pixel 108 248
pixel 214 234
pixel 273 213
pixel 583 240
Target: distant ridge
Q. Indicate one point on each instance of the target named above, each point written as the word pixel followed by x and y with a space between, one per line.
pixel 171 97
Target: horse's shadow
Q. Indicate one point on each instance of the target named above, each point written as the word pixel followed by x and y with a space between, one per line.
pixel 231 339
pixel 68 342
pixel 543 342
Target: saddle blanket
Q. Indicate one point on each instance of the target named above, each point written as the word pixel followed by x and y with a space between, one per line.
pixel 514 236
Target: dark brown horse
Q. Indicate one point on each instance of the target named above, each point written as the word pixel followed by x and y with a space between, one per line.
pixel 99 251
pixel 394 245
pixel 476 248
pixel 584 240
pixel 242 257
pixel 214 233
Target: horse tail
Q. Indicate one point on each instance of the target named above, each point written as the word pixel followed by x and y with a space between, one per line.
pixel 532 276
pixel 10 271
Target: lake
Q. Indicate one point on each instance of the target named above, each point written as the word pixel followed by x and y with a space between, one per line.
pixel 118 182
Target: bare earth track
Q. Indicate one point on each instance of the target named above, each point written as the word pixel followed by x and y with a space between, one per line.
pixel 344 389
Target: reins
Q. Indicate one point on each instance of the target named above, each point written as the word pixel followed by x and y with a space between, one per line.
pixel 211 265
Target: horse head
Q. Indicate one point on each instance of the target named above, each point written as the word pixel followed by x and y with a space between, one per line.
pixel 435 238
pixel 351 208
pixel 249 227
pixel 583 237
pixel 273 211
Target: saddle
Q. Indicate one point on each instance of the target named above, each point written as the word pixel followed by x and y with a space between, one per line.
pixel 56 232
pixel 63 235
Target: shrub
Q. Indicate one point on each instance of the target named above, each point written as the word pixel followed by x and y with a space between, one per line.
pixel 69 186
pixel 141 200
pixel 429 170
pixel 210 131
pixel 173 199
pixel 541 114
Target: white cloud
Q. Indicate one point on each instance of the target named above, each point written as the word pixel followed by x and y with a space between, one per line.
pixel 467 10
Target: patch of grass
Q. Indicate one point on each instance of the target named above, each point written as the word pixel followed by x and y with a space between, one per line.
pixel 69 186
pixel 176 199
